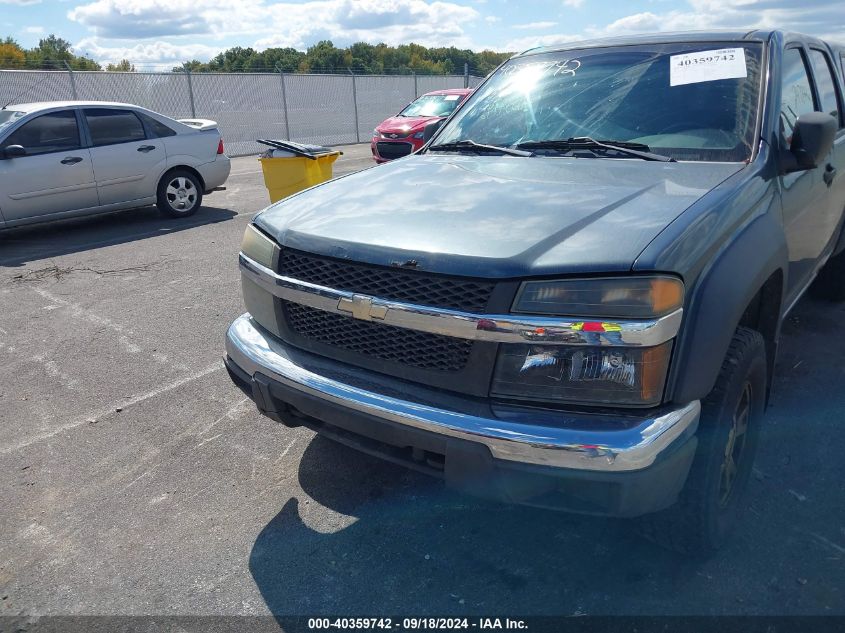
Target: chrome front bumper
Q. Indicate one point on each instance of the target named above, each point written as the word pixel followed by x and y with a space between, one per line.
pixel 564 440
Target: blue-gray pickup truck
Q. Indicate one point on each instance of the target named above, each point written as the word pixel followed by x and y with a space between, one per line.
pixel 571 296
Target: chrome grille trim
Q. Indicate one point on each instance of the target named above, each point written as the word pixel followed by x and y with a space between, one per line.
pixel 496 328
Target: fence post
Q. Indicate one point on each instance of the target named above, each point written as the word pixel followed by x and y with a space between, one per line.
pixel 466 75
pixel 416 90
pixel 190 90
pixel 72 81
pixel 355 103
pixel 284 102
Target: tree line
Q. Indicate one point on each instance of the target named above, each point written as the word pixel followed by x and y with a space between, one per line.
pixel 54 52
pixel 376 59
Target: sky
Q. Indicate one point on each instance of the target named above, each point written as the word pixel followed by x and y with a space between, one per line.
pixel 151 32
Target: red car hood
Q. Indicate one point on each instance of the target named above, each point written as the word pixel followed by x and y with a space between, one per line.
pixel 404 124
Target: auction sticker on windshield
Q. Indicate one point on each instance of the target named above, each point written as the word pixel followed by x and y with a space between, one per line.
pixel 692 68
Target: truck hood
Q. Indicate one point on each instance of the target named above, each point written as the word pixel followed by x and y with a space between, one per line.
pixel 494 216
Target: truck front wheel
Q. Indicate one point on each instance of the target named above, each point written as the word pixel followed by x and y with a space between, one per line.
pixel 728 433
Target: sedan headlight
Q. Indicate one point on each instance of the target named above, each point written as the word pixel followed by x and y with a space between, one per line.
pixel 260 248
pixel 602 370
pixel 420 135
pixel 376 134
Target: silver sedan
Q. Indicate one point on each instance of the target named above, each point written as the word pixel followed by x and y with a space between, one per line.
pixel 73 158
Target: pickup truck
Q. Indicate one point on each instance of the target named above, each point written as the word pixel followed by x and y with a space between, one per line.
pixel 571 296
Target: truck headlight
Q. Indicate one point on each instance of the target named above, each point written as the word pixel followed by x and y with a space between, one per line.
pixel 602 370
pixel 260 303
pixel 627 376
pixel 260 248
pixel 612 297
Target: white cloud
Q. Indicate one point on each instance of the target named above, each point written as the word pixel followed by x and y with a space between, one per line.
pixel 34 30
pixel 153 53
pixel 284 24
pixel 174 30
pixel 822 18
pixel 20 3
pixel 534 26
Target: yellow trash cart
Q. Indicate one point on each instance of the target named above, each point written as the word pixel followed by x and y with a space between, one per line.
pixel 290 167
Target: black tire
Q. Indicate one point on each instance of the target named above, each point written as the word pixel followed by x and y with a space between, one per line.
pixel 830 284
pixel 179 194
pixel 708 505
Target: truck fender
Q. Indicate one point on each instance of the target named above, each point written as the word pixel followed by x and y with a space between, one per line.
pixel 719 300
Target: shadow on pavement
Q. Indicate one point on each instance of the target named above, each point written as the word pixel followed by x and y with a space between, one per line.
pixel 395 542
pixel 415 548
pixel 31 243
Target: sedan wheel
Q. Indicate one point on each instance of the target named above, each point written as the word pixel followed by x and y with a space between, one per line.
pixel 179 194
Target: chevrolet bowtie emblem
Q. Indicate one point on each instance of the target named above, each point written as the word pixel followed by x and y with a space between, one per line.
pixel 361 307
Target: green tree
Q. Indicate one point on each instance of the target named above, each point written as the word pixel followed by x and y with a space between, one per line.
pixel 54 52
pixel 123 66
pixel 287 59
pixel 362 57
pixel 325 57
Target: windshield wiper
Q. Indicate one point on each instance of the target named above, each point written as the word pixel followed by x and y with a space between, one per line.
pixel 585 142
pixel 468 145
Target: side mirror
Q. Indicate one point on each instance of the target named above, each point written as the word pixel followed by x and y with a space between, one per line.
pixel 812 139
pixel 13 151
pixel 431 128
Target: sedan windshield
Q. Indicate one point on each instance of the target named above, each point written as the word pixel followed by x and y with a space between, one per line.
pixel 7 117
pixel 687 101
pixel 432 105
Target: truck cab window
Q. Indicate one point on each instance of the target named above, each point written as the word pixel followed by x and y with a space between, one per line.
pixel 825 83
pixel 796 94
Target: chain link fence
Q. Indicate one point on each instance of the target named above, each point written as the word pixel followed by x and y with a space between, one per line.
pixel 324 109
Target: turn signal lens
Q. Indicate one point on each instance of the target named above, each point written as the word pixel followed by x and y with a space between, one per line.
pixel 259 248
pixel 220 148
pixel 617 297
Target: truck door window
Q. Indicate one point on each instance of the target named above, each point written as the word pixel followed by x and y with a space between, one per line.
pixel 825 83
pixel 796 94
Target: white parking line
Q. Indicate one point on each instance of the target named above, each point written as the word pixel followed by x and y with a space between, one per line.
pixel 86 419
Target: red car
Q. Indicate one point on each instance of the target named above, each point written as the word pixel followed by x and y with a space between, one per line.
pixel 402 134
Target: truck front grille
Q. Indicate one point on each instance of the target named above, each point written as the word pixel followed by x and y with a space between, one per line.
pixel 383 282
pixel 377 340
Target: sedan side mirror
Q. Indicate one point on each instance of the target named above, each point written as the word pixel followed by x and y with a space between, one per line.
pixel 812 139
pixel 13 151
pixel 431 128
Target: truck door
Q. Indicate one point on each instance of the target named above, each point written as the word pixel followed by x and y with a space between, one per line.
pixel 807 195
pixel 829 93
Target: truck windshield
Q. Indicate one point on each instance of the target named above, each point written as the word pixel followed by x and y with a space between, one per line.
pixel 688 101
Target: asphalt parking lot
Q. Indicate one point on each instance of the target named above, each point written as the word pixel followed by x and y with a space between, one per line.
pixel 136 479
